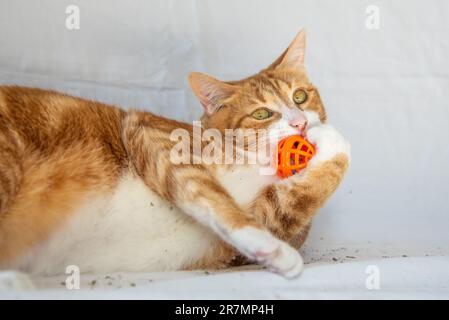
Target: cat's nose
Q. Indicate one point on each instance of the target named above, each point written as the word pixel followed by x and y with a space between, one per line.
pixel 299 122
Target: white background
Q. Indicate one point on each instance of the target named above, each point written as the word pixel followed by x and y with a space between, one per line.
pixel 386 89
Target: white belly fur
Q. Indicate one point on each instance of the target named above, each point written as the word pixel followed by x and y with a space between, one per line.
pixel 130 230
pixel 244 182
pixel 133 229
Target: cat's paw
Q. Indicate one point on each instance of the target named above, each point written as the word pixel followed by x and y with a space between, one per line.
pixel 15 281
pixel 328 143
pixel 264 248
pixel 285 260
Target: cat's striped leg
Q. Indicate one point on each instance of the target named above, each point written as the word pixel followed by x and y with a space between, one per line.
pixel 198 194
pixel 287 207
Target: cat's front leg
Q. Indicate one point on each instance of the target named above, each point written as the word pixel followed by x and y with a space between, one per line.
pixel 198 194
pixel 287 207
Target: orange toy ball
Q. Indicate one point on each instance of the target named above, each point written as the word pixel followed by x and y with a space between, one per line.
pixel 293 154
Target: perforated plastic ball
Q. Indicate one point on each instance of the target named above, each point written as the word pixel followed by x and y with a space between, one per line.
pixel 294 153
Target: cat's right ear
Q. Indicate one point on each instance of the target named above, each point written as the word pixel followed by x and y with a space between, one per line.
pixel 210 92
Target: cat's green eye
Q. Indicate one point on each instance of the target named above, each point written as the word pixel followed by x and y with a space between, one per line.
pixel 299 96
pixel 261 114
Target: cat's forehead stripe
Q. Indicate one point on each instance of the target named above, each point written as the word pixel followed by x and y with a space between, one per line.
pixel 264 85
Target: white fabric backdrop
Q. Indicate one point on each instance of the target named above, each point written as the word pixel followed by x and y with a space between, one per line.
pixel 386 89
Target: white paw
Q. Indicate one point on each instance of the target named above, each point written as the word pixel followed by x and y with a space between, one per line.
pixel 328 142
pixel 286 261
pixel 14 281
pixel 263 247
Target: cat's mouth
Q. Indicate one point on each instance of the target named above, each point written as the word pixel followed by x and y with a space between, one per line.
pixel 279 134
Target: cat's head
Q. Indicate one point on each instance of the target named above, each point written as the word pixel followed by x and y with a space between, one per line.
pixel 280 97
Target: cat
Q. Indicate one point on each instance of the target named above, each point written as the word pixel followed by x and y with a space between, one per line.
pixel 88 184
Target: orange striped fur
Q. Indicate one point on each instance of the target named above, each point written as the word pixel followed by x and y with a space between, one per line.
pixel 58 151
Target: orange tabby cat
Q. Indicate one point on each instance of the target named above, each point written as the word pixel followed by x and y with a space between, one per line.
pixel 87 184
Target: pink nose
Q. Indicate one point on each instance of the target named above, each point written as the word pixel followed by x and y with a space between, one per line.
pixel 299 122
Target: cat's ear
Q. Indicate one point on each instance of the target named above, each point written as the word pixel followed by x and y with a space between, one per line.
pixel 210 92
pixel 293 56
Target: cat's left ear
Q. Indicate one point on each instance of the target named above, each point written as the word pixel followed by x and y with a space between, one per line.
pixel 293 56
pixel 211 93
